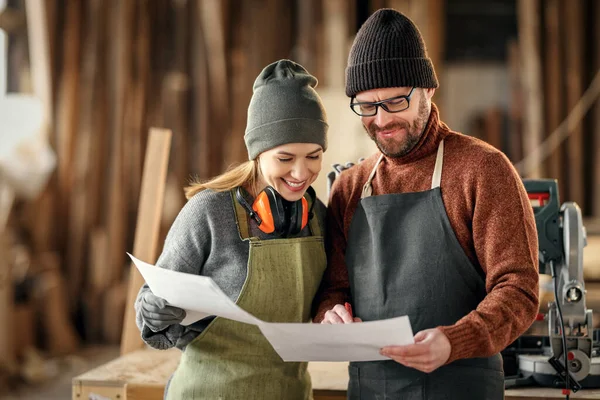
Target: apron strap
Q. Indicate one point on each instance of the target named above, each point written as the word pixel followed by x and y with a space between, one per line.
pixel 437 171
pixel 435 180
pixel 313 223
pixel 241 217
pixel 368 188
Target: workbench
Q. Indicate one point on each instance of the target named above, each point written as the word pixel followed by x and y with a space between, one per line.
pixel 142 374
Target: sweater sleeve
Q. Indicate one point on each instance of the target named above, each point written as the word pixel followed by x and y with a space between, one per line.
pixel 506 246
pixel 188 239
pixel 335 285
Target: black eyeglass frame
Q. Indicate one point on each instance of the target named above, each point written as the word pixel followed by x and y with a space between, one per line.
pixel 381 104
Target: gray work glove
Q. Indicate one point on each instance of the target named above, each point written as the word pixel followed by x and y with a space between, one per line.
pixel 157 314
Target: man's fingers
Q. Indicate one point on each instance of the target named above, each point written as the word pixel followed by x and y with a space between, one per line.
pixel 408 351
pixel 424 367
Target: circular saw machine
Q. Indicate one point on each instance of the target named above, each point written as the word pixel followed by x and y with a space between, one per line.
pixel 571 341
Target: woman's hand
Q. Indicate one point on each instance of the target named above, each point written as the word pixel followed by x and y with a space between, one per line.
pixel 157 314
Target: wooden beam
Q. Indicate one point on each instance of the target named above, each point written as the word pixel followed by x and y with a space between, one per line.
pixel 515 124
pixel 529 44
pixel 554 99
pixel 573 12
pixel 147 228
pixel 123 17
pixel 68 113
pixel 596 116
pixel 335 17
pixel 213 31
pixel 77 235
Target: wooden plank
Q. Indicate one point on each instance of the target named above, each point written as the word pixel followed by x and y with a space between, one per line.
pixel 123 16
pixel 40 213
pixel 135 133
pixel 515 124
pixel 336 26
pixel 147 228
pixel 78 219
pixel 67 113
pixel 211 14
pixel 596 120
pixel 7 339
pixel 39 53
pixel 494 120
pixel 147 366
pixel 240 89
pixel 144 392
pixel 573 12
pixel 59 332
pixel 554 99
pixel 529 44
pixel 400 5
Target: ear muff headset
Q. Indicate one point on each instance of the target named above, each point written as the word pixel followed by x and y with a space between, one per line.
pixel 274 214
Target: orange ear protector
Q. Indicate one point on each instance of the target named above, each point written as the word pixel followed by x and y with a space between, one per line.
pixel 271 214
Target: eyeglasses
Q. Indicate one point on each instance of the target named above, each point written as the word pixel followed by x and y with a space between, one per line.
pixel 392 105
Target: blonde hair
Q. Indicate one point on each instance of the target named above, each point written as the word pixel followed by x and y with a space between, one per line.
pixel 244 174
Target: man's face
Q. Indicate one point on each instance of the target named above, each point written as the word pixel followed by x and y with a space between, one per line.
pixel 396 134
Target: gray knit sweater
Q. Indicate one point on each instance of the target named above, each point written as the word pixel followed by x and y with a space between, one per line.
pixel 204 239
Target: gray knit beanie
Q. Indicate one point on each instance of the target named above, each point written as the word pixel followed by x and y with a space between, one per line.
pixel 388 51
pixel 285 108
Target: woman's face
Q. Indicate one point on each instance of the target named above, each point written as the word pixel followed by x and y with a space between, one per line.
pixel 290 168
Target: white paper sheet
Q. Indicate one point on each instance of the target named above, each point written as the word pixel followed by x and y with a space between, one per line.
pixel 339 342
pixel 200 296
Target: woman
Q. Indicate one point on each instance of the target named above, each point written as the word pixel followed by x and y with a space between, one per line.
pixel 256 231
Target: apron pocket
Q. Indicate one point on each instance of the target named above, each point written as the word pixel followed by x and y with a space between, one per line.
pixel 457 382
pixel 366 387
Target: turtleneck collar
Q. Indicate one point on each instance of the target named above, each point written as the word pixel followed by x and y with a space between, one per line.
pixel 435 131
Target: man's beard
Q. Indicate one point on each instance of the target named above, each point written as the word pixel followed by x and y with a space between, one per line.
pixel 414 132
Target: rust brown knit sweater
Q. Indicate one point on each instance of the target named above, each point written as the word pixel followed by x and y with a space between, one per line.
pixel 490 213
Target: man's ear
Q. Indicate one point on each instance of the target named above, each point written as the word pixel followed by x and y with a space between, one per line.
pixel 429 93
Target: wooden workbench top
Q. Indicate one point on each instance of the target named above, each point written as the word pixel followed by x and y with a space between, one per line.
pixel 154 367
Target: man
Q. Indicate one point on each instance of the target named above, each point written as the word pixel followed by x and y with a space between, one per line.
pixel 438 226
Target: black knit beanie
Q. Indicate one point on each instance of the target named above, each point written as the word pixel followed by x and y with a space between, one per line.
pixel 388 51
pixel 285 108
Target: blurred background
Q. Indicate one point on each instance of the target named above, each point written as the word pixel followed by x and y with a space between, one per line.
pixel 83 81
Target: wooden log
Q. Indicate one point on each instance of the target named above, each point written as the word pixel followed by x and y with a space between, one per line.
pixel 529 45
pixel 147 228
pixel 573 73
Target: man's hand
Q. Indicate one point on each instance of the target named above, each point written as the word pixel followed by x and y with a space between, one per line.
pixel 430 351
pixel 339 315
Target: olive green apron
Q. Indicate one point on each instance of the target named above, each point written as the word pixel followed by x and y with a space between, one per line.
pixel 233 360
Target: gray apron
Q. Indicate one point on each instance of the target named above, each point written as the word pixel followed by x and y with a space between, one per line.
pixel 403 258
